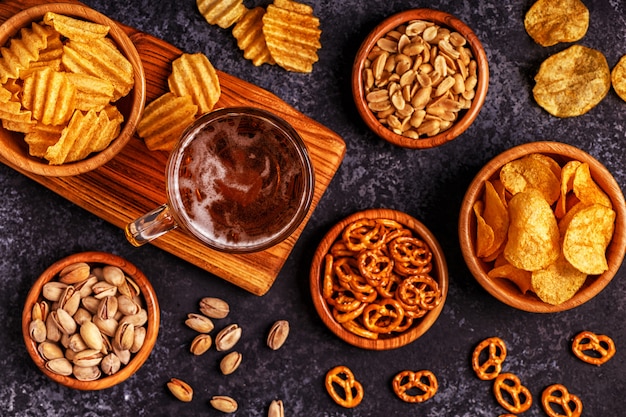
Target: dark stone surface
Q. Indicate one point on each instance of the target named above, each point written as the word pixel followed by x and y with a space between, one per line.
pixel 37 227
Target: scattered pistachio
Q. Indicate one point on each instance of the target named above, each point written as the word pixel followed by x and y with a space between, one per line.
pixel 214 308
pixel 199 323
pixel 278 334
pixel 180 389
pixel 230 363
pixel 228 337
pixel 200 344
pixel 224 404
pixel 276 409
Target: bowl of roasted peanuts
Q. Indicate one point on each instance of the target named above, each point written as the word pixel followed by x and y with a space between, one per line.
pixel 379 279
pixel 72 89
pixel 90 321
pixel 420 78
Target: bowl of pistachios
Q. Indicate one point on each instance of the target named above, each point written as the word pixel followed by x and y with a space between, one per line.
pixel 90 320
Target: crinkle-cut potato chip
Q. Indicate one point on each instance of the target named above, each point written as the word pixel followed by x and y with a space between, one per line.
pixel 50 96
pixel 550 22
pixel 98 138
pixel 223 13
pixel 533 240
pixel 586 189
pixel 80 125
pixel 164 119
pixel 92 93
pixel 531 172
pixel 193 75
pixel 48 57
pixel 292 35
pixel 558 282
pixel 39 142
pixel 496 216
pixel 520 277
pixel 587 236
pixel 484 232
pixel 618 78
pixel 100 58
pixel 22 51
pixel 76 29
pixel 249 34
pixel 572 82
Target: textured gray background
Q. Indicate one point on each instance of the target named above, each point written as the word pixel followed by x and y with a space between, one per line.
pixel 37 227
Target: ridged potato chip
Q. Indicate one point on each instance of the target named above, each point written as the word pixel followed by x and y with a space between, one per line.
pixel 558 282
pixel 249 34
pixel 22 51
pixel 572 82
pixel 193 75
pixel 618 78
pixel 292 35
pixel 164 119
pixel 92 93
pixel 50 96
pixel 76 29
pixel 39 142
pixel 550 22
pixel 223 13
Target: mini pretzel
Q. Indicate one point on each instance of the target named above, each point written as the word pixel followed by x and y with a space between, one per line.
pixel 559 395
pixel 421 291
pixel 592 348
pixel 415 387
pixel 511 394
pixel 343 388
pixel 375 266
pixel 354 327
pixel 363 234
pixel 384 316
pixel 496 353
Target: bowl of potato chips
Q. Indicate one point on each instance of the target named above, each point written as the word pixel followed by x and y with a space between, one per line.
pixel 542 227
pixel 72 89
pixel 420 78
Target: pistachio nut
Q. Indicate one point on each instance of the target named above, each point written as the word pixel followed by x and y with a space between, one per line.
pixel 37 330
pixel 76 343
pixel 59 366
pixel 224 404
pixel 75 273
pixel 180 389
pixel 103 289
pixel 52 290
pixel 91 304
pixel 107 327
pixel 138 319
pixel 82 316
pixel 230 363
pixel 227 337
pixel 91 335
pixel 40 310
pixel 88 357
pixel 107 309
pixel 214 308
pixel 86 373
pixel 278 334
pixel 110 364
pixel 85 287
pixel 199 323
pixel 276 409
pixel 130 288
pixel 139 339
pixel 124 355
pixel 124 336
pixel 49 350
pixel 127 305
pixel 64 321
pixel 52 330
pixel 200 344
pixel 113 275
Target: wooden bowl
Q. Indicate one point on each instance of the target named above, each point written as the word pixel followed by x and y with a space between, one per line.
pixel 465 118
pixel 503 289
pixel 439 273
pixel 14 150
pixel 150 304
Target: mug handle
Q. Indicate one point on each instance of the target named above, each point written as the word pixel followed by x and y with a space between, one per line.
pixel 150 226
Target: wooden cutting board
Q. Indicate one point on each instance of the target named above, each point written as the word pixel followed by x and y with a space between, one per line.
pixel 133 182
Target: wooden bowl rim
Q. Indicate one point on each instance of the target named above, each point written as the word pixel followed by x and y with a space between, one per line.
pixel 322 308
pixel 152 326
pixel 507 292
pixel 463 123
pixel 135 100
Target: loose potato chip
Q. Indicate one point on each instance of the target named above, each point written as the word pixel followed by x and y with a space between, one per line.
pixel 586 189
pixel 50 96
pixel 618 78
pixel 496 216
pixel 587 236
pixel 572 82
pixel 533 238
pixel 292 35
pixel 531 172
pixel 558 282
pixel 484 232
pixel 250 39
pixel 193 75
pixel 164 119
pixel 521 278
pixel 223 13
pixel 550 22
pixel 77 29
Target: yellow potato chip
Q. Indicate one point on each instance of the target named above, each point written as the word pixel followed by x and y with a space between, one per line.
pixel 80 126
pixel 550 22
pixel 95 139
pixel 496 216
pixel 587 236
pixel 484 232
pixel 11 111
pixel 618 78
pixel 50 96
pixel 39 142
pixel 223 13
pixel 567 185
pixel 249 34
pixel 533 240
pixel 558 282
pixel 586 189
pixel 77 29
pixel 520 277
pixel 531 172
pixel 572 82
pixel 193 75
pixel 92 93
pixel 48 57
pixel 110 120
pixel 164 119
pixel 292 35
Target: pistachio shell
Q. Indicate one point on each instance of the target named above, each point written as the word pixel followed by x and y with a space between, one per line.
pixel 199 323
pixel 227 337
pixel 140 337
pixel 37 330
pixel 124 336
pixel 200 344
pixel 180 389
pixel 224 404
pixel 278 334
pixel 88 357
pixel 110 364
pixel 74 273
pixel 86 373
pixel 59 366
pixel 230 363
pixel 49 351
pixel 214 308
pixel 91 335
pixel 276 409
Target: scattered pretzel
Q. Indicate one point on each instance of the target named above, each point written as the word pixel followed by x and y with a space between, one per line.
pixel 491 367
pixel 343 388
pixel 415 387
pixel 511 394
pixel 592 348
pixel 558 394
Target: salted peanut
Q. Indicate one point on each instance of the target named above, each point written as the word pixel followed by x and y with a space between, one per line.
pixel 180 389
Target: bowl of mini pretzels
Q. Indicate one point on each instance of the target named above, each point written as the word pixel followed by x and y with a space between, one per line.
pixel 379 279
